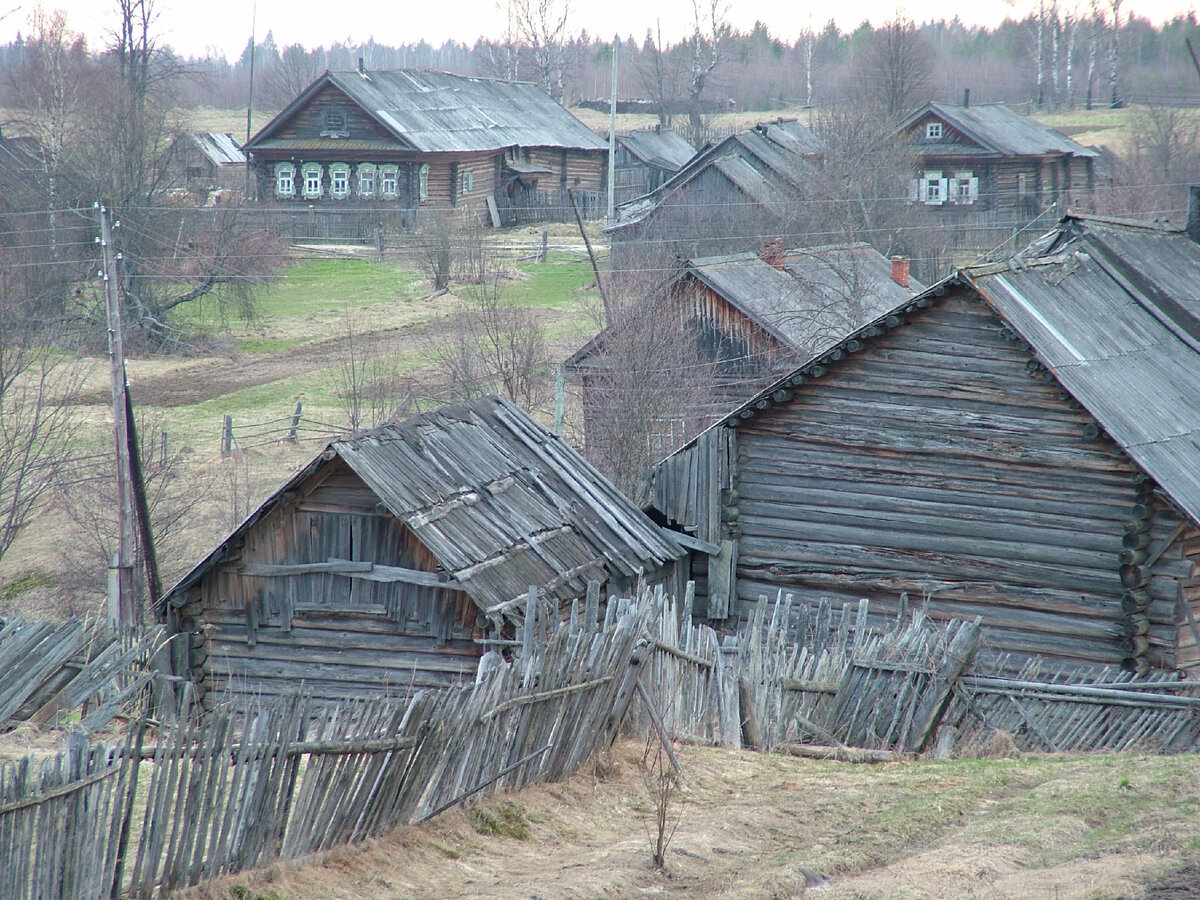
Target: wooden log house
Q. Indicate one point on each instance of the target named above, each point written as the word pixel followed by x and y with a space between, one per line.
pixel 1018 442
pixel 407 140
pixel 987 164
pixel 397 556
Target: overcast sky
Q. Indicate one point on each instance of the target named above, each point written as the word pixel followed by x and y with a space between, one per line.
pixel 194 26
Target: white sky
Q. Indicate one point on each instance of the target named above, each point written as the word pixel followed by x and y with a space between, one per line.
pixel 193 26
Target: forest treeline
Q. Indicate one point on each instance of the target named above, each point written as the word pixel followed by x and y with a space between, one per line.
pixel 1051 59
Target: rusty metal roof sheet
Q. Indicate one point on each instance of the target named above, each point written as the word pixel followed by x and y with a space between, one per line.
pixel 1113 309
pixel 500 503
pixel 434 112
pixel 996 129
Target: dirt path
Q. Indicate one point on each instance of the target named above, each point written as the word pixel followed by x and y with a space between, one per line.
pixel 195 381
pixel 770 827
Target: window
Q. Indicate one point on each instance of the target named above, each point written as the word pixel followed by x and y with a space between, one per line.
pixel 933 189
pixel 1022 184
pixel 339 180
pixel 933 131
pixel 388 181
pixel 312 180
pixel 966 187
pixel 366 180
pixel 285 180
pixel 335 125
pixel 423 182
pixel 468 182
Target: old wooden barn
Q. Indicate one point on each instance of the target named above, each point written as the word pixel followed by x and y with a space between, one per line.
pixel 397 556
pixel 744 319
pixel 729 198
pixel 1019 442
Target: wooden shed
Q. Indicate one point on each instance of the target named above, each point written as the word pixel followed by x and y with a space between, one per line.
pixel 645 159
pixel 745 319
pixel 729 198
pixel 397 556
pixel 1019 442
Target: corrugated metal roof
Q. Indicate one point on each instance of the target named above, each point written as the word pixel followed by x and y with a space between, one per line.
pixel 997 129
pixel 1114 311
pixel 819 295
pixel 500 503
pixel 773 163
pixel 222 149
pixel 667 150
pixel 436 112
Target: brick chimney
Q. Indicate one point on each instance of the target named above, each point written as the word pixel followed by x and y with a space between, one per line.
pixel 1193 219
pixel 771 252
pixel 900 270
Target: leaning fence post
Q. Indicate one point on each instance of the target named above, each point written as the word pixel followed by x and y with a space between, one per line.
pixel 958 656
pixel 291 436
pixel 545 246
pixel 227 436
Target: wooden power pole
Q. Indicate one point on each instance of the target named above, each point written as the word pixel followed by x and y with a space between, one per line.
pixel 122 603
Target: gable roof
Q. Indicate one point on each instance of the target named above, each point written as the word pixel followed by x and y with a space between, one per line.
pixel 996 129
pixel 782 154
pixel 813 297
pixel 436 112
pixel 500 503
pixel 661 148
pixel 220 148
pixel 807 304
pixel 1112 309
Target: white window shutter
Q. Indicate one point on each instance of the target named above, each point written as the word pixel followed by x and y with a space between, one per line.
pixel 974 189
pixel 915 186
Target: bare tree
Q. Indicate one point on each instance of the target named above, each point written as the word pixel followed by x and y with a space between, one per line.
pixel 900 65
pixel 1114 54
pixel 370 381
pixel 658 75
pixel 296 69
pixel 709 26
pixel 542 26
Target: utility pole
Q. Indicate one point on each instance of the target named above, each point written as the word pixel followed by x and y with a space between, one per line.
pixel 250 102
pixel 122 603
pixel 612 133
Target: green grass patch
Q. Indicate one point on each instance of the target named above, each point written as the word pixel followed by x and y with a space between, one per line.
pixel 30 581
pixel 508 820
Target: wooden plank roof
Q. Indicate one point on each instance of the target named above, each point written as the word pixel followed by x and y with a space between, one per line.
pixel 434 112
pixel 501 504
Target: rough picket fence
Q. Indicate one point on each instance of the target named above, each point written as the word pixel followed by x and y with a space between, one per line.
pixel 816 680
pixel 220 794
pixel 50 670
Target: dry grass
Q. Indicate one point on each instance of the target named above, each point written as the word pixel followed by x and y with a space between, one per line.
pixel 757 826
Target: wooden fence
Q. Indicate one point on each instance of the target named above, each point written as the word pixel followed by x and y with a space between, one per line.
pixel 220 794
pixel 817 680
pixel 50 670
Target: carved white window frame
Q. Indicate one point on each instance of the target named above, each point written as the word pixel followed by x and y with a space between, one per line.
pixel 285 179
pixel 312 186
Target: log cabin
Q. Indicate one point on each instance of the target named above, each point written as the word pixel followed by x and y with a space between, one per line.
pixel 645 159
pixel 743 320
pixel 1018 442
pixel 408 140
pixel 729 198
pixel 397 556
pixel 987 164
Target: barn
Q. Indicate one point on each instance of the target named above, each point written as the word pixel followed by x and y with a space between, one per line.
pixel 1019 442
pixel 397 556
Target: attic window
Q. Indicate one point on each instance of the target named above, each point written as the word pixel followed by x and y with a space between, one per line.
pixel 933 131
pixel 335 125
